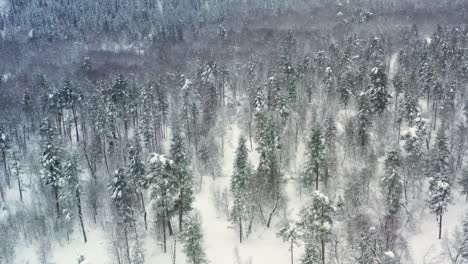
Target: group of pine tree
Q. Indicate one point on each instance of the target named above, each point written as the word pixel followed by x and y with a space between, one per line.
pixel 381 127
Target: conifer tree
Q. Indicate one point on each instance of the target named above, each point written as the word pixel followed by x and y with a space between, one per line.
pixel 192 238
pixel 184 180
pixel 378 94
pixel 240 186
pixel 162 185
pixel 72 190
pixel 122 202
pixel 392 185
pixel 315 161
pixel 315 224
pixel 136 174
pixel 464 182
pixel 364 121
pixel 4 147
pixel 439 175
pixel 52 172
pixel 290 233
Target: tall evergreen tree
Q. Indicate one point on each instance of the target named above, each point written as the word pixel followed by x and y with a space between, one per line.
pixel 184 180
pixel 123 204
pixel 192 238
pixel 240 186
pixel 136 174
pixel 72 190
pixel 439 175
pixel 52 172
pixel 392 185
pixel 378 94
pixel 315 224
pixel 315 160
pixel 162 185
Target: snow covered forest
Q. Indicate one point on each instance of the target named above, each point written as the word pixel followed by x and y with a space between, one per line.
pixel 233 131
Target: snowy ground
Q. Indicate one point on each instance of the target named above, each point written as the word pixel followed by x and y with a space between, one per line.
pixel 221 240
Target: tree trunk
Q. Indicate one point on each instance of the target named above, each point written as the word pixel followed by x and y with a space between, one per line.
pixel 292 252
pixel 57 203
pixel 164 231
pixel 75 120
pixel 323 251
pixel 1 193
pixel 316 177
pixel 272 212
pixel 80 215
pixel 181 196
pixel 440 226
pixel 127 246
pixel 7 176
pixel 240 229
pixel 169 226
pixel 19 186
pixel 144 210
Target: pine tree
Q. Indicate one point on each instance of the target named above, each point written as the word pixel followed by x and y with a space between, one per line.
pixel 378 95
pixel 71 98
pixel 315 226
pixel 392 182
pixel 184 180
pixel 16 164
pixel 240 186
pixel 162 185
pixel 330 149
pixel 464 239
pixel 52 165
pixel 122 202
pixel 345 87
pixel 392 185
pixel 192 238
pixel 409 108
pixel 438 172
pixel 136 174
pixel 364 121
pixel 369 247
pixel 72 190
pixel 464 182
pixel 4 147
pixel 290 233
pixel 315 161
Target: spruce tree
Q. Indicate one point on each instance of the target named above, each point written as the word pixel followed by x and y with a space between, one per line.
pixel 240 186
pixel 4 147
pixel 136 174
pixel 52 172
pixel 192 237
pixel 315 160
pixel 123 204
pixel 72 190
pixel 392 185
pixel 464 182
pixel 378 94
pixel 184 180
pixel 315 224
pixel 439 175
pixel 162 185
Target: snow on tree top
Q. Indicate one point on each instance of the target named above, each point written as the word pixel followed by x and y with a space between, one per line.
pixel 155 158
pixel 390 254
pixel 187 83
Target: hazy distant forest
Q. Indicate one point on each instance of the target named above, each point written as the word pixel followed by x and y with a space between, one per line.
pixel 233 131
